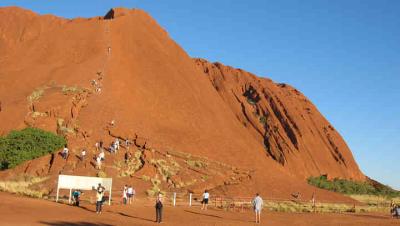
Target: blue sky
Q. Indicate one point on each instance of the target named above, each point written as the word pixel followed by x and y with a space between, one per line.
pixel 343 54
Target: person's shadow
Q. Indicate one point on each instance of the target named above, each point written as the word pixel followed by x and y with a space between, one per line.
pixel 135 217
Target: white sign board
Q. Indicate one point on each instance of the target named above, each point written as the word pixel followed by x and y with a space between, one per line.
pixel 83 183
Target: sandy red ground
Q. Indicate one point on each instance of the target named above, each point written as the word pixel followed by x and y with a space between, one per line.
pixel 16 210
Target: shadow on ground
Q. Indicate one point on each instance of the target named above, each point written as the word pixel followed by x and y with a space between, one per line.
pixel 140 218
pixel 204 214
pixel 63 223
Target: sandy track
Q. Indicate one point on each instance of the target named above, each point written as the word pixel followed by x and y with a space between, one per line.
pixel 15 210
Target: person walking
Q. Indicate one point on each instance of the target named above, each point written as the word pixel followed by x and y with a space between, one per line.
pixel 159 207
pixel 258 205
pixel 206 197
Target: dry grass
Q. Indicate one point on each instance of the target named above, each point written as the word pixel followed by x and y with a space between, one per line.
pixel 374 200
pixel 196 163
pixel 166 167
pixel 22 186
pixel 36 94
pixel 155 187
pixel 129 168
pixel 101 174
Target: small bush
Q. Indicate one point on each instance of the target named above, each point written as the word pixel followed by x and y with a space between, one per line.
pixel 196 163
pixel 27 144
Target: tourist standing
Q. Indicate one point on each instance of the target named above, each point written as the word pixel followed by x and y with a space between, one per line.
pixel 206 197
pixel 159 207
pixel 124 194
pixel 258 205
pixel 99 199
pixel 130 194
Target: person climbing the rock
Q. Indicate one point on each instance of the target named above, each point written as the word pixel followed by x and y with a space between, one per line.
pixel 64 152
pixel 159 207
pixel 127 144
pixel 98 163
pixel 206 196
pixel 83 154
pixel 116 144
pixel 102 155
pixel 109 50
pixel 112 147
pixel 127 157
pixel 257 206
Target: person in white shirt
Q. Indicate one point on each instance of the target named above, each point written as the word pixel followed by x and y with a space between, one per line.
pixel 258 205
pixel 206 196
pixel 83 154
pixel 130 194
pixel 116 145
pixel 98 162
pixel 65 152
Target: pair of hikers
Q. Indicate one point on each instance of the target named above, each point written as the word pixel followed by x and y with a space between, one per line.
pixel 128 194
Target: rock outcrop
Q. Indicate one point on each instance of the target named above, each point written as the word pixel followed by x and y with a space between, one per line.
pixel 122 76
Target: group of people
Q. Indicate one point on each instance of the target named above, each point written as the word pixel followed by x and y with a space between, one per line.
pixel 128 194
pixel 114 147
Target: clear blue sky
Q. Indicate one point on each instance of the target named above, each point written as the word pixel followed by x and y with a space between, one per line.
pixel 343 54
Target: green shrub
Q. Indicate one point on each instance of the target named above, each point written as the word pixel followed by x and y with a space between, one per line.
pixel 350 187
pixel 27 144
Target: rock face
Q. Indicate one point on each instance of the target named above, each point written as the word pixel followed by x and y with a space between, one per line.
pixel 292 130
pixel 122 76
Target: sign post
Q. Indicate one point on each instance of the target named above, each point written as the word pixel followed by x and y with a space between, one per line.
pixel 83 183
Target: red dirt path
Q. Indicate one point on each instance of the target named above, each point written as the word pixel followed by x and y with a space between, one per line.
pixel 17 210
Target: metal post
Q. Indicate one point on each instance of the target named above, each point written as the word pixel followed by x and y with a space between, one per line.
pixel 109 198
pixel 70 193
pixel 174 201
pixel 58 190
pixel 190 199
